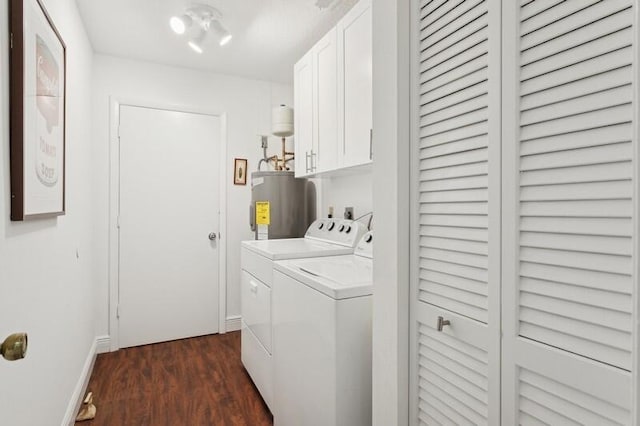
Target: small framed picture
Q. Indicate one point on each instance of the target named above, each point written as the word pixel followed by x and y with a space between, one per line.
pixel 240 171
pixel 37 118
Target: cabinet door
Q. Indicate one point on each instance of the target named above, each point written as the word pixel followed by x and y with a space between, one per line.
pixel 569 177
pixel 355 86
pixel 455 262
pixel 325 85
pixel 303 114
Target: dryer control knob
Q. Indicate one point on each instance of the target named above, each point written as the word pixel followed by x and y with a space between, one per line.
pixel 369 238
pixel 341 228
pixel 348 229
pixel 331 226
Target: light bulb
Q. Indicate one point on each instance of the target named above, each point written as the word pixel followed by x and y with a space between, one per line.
pixel 196 42
pixel 179 24
pixel 195 46
pixel 226 39
pixel 221 32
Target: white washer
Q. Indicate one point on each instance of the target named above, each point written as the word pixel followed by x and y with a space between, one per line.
pixel 322 339
pixel 325 237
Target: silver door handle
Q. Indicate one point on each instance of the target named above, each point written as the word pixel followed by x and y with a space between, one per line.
pixel 307 155
pixel 213 236
pixel 442 322
pixel 313 162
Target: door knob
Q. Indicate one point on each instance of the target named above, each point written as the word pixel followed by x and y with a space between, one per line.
pixel 213 236
pixel 14 347
pixel 442 322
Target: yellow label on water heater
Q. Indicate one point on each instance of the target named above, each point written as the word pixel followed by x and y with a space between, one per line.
pixel 263 213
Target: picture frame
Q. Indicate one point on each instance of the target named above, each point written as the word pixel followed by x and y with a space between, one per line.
pixel 240 171
pixel 37 96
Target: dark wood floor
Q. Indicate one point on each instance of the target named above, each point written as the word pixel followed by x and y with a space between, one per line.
pixel 198 381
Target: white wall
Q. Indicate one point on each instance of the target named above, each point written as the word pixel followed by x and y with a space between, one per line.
pixel 247 104
pixel 353 190
pixel 44 289
pixel 391 204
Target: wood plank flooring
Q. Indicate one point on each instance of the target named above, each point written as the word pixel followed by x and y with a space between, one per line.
pixel 197 381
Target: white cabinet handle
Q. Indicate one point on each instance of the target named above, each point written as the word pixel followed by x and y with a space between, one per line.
pixel 254 287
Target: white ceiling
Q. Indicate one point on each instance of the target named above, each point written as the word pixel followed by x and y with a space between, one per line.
pixel 269 36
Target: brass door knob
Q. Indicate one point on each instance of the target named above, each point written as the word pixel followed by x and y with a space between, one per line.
pixel 14 347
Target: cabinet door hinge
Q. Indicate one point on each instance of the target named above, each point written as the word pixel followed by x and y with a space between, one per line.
pixel 118 311
pixel 11 40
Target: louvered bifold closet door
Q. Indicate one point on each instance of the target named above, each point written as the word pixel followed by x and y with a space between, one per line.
pixel 568 179
pixel 456 212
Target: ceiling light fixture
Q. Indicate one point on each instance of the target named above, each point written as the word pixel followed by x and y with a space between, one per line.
pixel 221 32
pixel 204 17
pixel 179 24
pixel 196 42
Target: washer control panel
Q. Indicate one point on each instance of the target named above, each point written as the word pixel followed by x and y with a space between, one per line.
pixel 365 245
pixel 340 231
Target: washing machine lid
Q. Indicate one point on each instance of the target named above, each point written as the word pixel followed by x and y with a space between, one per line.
pixel 339 277
pixel 295 248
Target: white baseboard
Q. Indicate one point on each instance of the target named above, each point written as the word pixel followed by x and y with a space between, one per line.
pixel 233 323
pixel 103 344
pixel 81 387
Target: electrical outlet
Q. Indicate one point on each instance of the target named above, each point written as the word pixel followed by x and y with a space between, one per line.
pixel 348 213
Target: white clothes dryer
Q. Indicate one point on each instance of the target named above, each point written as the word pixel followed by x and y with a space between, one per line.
pixel 325 237
pixel 322 339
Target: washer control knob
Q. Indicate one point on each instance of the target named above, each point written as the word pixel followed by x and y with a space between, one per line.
pixel 331 226
pixel 348 229
pixel 341 228
pixel 321 225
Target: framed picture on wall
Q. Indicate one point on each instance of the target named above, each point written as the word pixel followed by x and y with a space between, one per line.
pixel 240 171
pixel 37 117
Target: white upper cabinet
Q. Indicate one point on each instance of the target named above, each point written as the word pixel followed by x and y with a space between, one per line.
pixel 333 106
pixel 303 114
pixel 355 86
pixel 325 96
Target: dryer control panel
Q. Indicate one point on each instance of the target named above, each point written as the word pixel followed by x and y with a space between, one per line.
pixel 365 246
pixel 338 231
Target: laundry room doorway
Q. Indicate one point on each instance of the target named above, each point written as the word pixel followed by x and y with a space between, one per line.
pixel 167 253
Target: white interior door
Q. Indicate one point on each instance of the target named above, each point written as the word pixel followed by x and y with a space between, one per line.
pixel 169 204
pixel 556 178
pixel 455 370
pixel 569 169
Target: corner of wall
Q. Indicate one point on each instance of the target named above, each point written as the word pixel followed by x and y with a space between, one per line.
pixel 81 387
